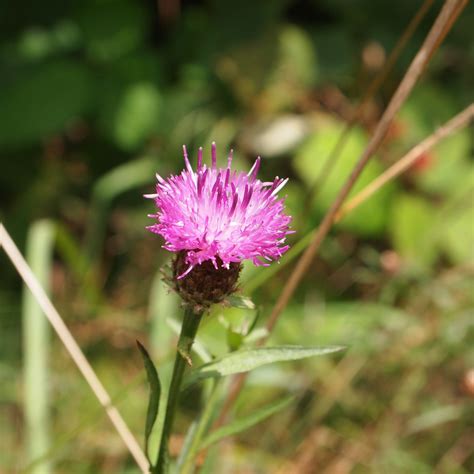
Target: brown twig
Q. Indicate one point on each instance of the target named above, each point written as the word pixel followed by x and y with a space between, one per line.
pixel 72 347
pixel 447 28
pixel 374 86
pixel 409 80
pixel 460 120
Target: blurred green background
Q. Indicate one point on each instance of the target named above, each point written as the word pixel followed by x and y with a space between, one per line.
pixel 98 95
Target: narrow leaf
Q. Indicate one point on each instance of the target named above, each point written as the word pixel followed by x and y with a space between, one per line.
pixel 246 422
pixel 155 391
pixel 249 359
pixel 238 301
pixel 256 334
pixel 186 445
pixel 36 342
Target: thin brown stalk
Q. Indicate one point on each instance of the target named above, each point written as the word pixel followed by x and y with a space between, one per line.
pixel 72 347
pixel 408 82
pixel 374 86
pixel 459 121
pixel 447 28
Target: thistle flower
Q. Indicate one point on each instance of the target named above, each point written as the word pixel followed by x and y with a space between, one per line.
pixel 214 218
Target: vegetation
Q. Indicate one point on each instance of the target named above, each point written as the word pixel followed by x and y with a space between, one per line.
pixel 96 96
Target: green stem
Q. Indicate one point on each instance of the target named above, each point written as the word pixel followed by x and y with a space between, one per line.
pixel 189 329
pixel 188 464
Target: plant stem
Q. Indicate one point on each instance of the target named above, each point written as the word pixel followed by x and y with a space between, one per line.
pixel 189 329
pixel 71 346
pixel 445 19
pixel 204 421
pixel 460 120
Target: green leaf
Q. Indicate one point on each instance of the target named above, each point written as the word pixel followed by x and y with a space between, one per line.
pixel 450 164
pixel 162 301
pixel 155 391
pixel 411 227
pixel 41 101
pixel 434 418
pixel 242 302
pixel 234 339
pixel 366 327
pixel 37 346
pixel 186 444
pixel 371 217
pixel 130 113
pixel 249 359
pixel 246 422
pixel 256 334
pixel 456 223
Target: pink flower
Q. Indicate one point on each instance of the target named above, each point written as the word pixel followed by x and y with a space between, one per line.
pixel 220 215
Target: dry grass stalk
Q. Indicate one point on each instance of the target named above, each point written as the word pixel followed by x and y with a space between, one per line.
pixel 443 22
pixel 374 86
pixel 460 120
pixel 72 347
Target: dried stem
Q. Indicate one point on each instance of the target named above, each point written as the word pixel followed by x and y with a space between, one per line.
pixel 460 120
pixel 408 82
pixel 438 30
pixel 371 91
pixel 72 347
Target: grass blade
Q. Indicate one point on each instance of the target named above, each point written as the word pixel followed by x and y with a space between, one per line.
pixel 155 392
pixel 242 424
pixel 36 341
pixel 25 272
pixel 121 179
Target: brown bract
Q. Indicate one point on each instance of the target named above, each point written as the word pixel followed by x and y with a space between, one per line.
pixel 204 285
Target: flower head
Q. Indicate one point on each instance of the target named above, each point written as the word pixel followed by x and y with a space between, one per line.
pixel 219 215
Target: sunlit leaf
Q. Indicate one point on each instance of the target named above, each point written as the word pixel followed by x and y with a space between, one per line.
pixel 243 423
pixel 411 227
pixel 434 418
pixel 249 359
pixel 155 391
pixel 371 217
pixel 457 235
pixel 238 301
pixel 186 444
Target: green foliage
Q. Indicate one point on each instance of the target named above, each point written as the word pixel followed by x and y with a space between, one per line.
pixel 36 342
pixel 250 359
pixel 111 29
pixel 457 224
pixel 42 100
pixel 246 422
pixel 351 323
pixel 155 393
pixel 411 226
pixel 96 96
pixel 238 301
pixel 131 115
pixel 371 217
pixel 119 180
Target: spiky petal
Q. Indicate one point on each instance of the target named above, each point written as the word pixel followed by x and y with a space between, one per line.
pixel 220 215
